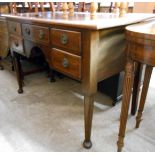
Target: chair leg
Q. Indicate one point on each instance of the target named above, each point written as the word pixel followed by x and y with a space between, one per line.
pixel 127 87
pixel 17 65
pixel 147 77
pixel 136 87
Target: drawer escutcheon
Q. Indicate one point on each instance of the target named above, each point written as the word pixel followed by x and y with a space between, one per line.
pixel 27 30
pixel 65 62
pixel 64 38
pixel 41 34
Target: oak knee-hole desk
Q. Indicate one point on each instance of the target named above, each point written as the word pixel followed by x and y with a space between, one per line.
pixel 88 50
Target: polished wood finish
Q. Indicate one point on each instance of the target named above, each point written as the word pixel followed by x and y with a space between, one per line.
pixel 66 63
pixel 69 40
pixel 81 48
pixel 141 49
pixel 89 74
pixel 81 20
pixel 128 80
pixel 38 34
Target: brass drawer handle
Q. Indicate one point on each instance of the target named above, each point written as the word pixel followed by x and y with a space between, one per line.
pixel 65 62
pixel 64 38
pixel 27 30
pixel 41 34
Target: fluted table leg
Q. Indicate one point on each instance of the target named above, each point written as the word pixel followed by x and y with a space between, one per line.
pixel 147 77
pixel 128 80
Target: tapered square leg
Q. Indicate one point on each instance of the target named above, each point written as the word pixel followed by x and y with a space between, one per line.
pixel 88 114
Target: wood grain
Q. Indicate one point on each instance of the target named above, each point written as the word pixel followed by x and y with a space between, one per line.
pixel 58 57
pixel 73 42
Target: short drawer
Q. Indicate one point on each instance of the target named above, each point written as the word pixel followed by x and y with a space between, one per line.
pixel 36 33
pixel 14 28
pixel 66 63
pixel 69 40
pixel 16 45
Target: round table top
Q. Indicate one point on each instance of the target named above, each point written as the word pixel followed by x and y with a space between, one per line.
pixel 145 30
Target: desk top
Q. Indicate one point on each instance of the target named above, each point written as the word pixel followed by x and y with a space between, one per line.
pixel 145 30
pixel 82 20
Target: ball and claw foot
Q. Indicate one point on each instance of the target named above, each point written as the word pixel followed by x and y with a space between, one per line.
pixel 1 67
pixel 20 91
pixel 87 144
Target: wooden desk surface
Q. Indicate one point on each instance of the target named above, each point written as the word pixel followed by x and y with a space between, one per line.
pixel 83 20
pixel 145 29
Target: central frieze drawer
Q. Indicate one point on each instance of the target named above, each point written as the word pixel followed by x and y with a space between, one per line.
pixel 14 28
pixel 16 44
pixel 36 33
pixel 66 63
pixel 70 40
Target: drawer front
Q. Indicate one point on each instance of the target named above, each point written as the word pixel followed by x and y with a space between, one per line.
pixel 14 28
pixel 65 39
pixel 66 63
pixel 3 27
pixel 36 33
pixel 16 44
